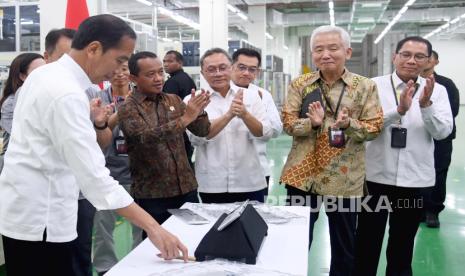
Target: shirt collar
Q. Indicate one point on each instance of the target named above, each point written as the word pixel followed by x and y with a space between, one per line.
pixel 398 82
pixel 140 97
pixel 346 77
pixel 176 72
pixel 81 76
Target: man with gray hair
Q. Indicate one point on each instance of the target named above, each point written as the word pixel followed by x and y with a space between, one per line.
pixel 330 113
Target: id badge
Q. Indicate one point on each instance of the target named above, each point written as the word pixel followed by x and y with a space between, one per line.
pixel 121 146
pixel 398 137
pixel 336 138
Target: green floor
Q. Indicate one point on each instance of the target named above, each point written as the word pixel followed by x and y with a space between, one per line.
pixel 437 251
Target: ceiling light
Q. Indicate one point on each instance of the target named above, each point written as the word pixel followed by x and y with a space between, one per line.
pixel 372 5
pixel 238 12
pixel 145 2
pixel 331 13
pixel 285 47
pixel 243 16
pixel 269 36
pixel 365 20
pixel 179 18
pixel 394 20
pixel 232 8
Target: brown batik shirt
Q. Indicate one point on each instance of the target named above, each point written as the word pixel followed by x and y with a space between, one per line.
pixel 154 134
pixel 313 165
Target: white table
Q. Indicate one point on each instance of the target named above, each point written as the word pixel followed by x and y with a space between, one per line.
pixel 284 251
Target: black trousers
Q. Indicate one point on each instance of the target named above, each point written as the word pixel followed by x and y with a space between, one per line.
pixel 233 197
pixel 158 207
pixel 82 258
pixel 405 213
pixel 342 225
pixel 436 195
pixel 38 258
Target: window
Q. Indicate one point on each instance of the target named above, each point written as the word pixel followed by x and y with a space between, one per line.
pixel 7 29
pixel 29 28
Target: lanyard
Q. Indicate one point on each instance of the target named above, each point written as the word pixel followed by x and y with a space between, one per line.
pixel 395 92
pixel 328 101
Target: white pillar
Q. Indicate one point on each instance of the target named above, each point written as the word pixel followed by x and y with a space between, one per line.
pixel 257 28
pixel 213 16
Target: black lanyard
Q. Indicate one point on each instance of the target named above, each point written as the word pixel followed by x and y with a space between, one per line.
pixel 328 101
pixel 395 92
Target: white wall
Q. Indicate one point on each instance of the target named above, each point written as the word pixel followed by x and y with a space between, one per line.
pixel 452 62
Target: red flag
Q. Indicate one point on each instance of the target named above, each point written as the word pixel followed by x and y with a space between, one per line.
pixel 76 12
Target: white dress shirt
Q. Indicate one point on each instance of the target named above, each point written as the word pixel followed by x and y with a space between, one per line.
pixel 276 126
pixel 412 166
pixel 229 162
pixel 52 154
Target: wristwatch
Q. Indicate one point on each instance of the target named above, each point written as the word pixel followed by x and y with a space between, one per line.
pixel 101 127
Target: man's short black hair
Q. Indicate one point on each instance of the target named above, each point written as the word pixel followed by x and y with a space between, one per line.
pixel 133 61
pixel 54 35
pixel 213 51
pixel 416 39
pixel 435 54
pixel 247 52
pixel 177 55
pixel 104 28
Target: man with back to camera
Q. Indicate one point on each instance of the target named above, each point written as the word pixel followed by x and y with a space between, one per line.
pixel 181 84
pixel 245 68
pixel 326 162
pixel 436 195
pixel 54 154
pixel 153 123
pixel 227 164
pixel 400 162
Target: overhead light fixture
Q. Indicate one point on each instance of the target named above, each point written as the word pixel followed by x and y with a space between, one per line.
pixel 165 39
pixel 27 22
pixel 238 12
pixel 371 5
pixel 394 20
pixel 331 13
pixel 268 36
pixel 145 2
pixel 232 8
pixel 366 20
pixel 285 47
pixel 179 18
pixel 444 26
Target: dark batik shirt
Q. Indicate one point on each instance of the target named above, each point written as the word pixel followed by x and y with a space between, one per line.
pixel 154 134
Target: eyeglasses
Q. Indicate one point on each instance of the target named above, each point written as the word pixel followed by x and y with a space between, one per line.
pixel 242 68
pixel 211 70
pixel 417 57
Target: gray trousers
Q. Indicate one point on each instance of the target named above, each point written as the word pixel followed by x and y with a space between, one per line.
pixel 104 249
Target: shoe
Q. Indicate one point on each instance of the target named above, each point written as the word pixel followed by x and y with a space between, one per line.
pixel 432 220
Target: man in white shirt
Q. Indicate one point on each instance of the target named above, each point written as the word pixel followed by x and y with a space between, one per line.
pixel 400 162
pixel 227 165
pixel 54 153
pixel 245 67
pixel 57 43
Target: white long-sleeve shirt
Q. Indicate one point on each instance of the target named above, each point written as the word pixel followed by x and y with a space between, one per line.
pixel 412 166
pixel 275 122
pixel 52 154
pixel 229 162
